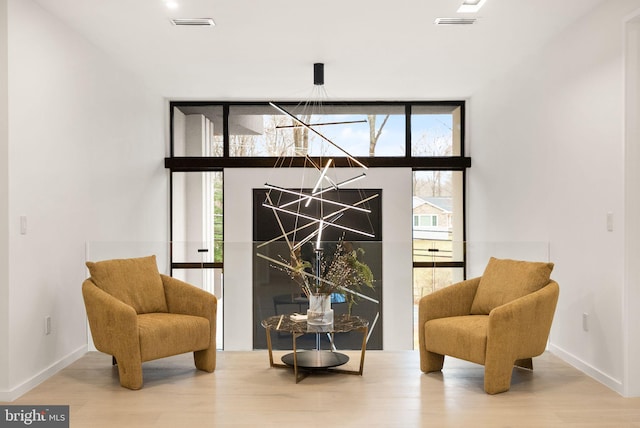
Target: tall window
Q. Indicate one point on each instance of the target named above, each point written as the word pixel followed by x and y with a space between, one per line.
pixel 438 203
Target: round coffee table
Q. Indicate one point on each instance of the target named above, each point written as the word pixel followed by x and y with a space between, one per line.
pixel 316 359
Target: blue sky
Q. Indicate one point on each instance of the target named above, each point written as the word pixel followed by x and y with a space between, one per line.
pixel 354 138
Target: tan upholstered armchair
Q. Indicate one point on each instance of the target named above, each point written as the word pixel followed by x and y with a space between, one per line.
pixel 499 320
pixel 136 315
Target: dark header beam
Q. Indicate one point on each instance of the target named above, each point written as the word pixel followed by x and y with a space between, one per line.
pixel 219 163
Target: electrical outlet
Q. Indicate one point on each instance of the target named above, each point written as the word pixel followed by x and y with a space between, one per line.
pixel 47 325
pixel 585 321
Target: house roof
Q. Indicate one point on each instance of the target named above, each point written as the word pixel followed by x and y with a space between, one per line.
pixel 442 203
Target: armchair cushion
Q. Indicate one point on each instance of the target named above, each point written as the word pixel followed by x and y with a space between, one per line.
pixel 116 276
pixel 165 334
pixel 465 335
pixel 505 280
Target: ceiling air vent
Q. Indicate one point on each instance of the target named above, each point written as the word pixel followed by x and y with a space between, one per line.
pixel 193 22
pixel 455 21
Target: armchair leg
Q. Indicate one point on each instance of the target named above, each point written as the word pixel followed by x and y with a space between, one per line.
pixel 130 373
pixel 430 361
pixel 497 376
pixel 206 359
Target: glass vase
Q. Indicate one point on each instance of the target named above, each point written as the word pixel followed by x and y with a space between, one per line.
pixel 320 312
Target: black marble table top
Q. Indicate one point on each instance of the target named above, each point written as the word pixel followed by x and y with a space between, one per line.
pixel 341 324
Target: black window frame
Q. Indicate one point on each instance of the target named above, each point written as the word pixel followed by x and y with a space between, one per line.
pixel 199 164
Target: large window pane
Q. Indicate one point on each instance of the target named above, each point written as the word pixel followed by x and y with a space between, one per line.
pixel 438 241
pixel 196 233
pixel 360 130
pixel 197 217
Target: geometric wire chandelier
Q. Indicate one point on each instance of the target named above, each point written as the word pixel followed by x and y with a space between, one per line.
pixel 329 212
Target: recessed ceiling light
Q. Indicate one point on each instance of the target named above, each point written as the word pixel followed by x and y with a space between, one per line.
pixel 171 4
pixel 455 21
pixel 470 6
pixel 193 22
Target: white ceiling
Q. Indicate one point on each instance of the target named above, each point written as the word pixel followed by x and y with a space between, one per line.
pixel 372 50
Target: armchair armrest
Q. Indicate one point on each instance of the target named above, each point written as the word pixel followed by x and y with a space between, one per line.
pixel 451 301
pixel 183 298
pixel 113 323
pixel 520 329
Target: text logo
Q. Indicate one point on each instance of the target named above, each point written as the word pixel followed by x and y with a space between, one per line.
pixel 34 416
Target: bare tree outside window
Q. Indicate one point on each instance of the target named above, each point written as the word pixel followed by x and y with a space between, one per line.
pixel 432 183
pixel 374 135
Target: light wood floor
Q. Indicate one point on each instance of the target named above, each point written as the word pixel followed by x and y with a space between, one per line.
pixel 245 392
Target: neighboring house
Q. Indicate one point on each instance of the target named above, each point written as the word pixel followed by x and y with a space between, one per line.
pixel 432 218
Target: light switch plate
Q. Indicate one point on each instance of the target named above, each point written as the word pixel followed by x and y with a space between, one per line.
pixel 23 224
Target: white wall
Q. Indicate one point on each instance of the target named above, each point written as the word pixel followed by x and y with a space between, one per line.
pixel 85 147
pixel 547 143
pixel 397 292
pixel 632 205
pixel 4 199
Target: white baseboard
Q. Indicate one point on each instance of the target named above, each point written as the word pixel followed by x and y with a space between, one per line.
pixel 587 369
pixel 14 393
